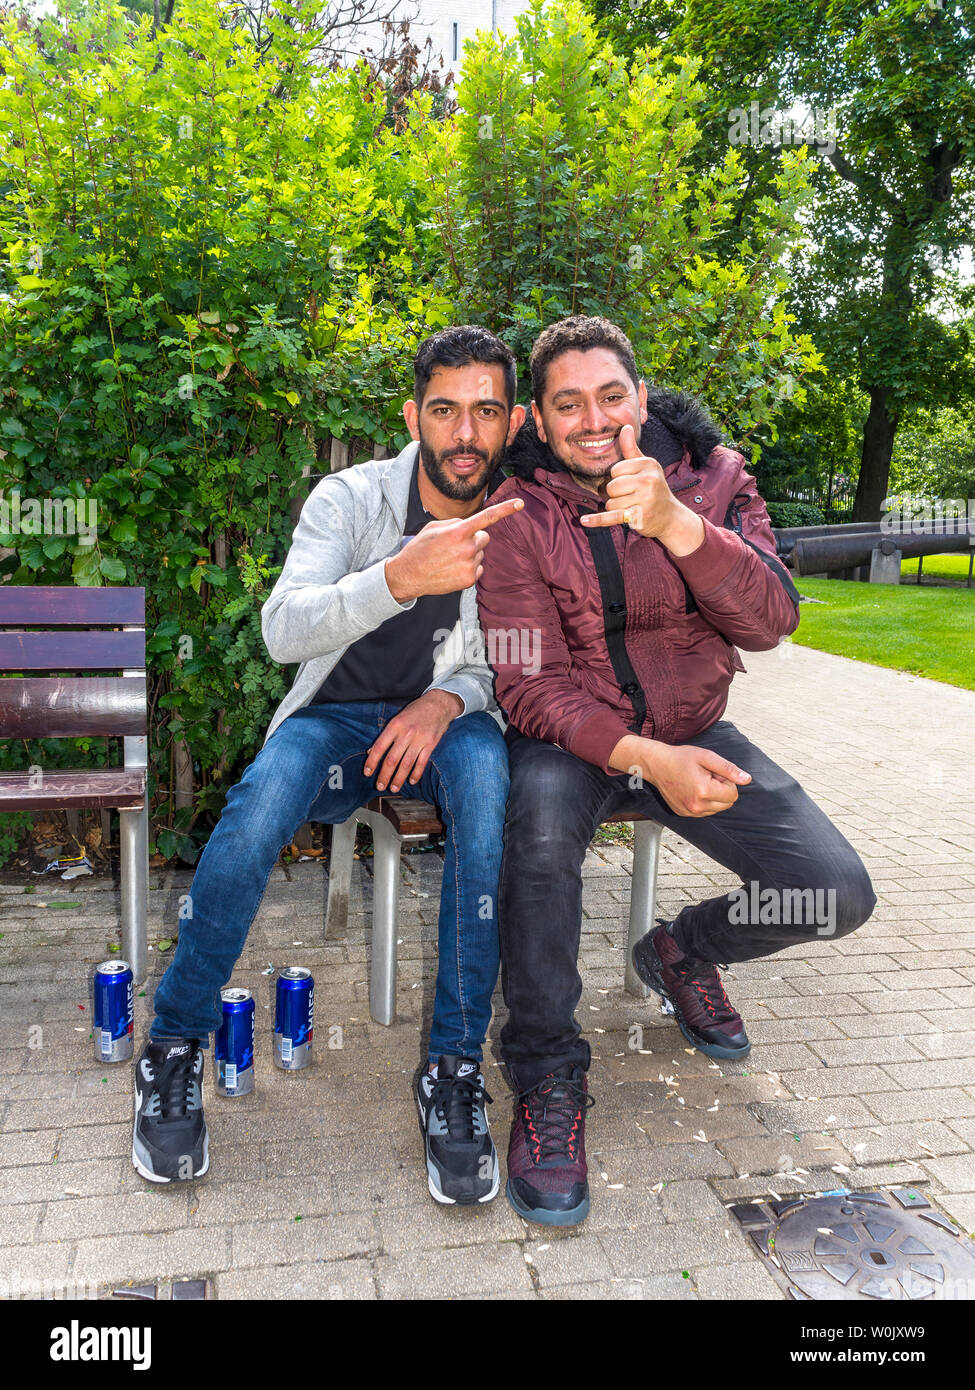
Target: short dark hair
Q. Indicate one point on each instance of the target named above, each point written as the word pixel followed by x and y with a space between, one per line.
pixel 459 347
pixel 578 334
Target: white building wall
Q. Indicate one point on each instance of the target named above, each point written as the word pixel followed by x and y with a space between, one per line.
pixel 436 20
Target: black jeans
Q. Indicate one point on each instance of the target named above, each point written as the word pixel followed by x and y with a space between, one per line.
pixel 801 880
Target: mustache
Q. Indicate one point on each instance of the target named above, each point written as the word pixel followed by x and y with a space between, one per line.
pixel 461 453
pixel 600 434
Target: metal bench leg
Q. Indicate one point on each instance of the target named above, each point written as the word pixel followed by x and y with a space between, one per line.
pixel 340 877
pixel 382 972
pixel 643 895
pixel 134 882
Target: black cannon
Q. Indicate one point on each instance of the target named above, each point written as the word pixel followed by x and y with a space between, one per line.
pixel 786 536
pixel 822 554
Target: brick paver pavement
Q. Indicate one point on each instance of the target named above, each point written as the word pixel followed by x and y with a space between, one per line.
pixel 862 1072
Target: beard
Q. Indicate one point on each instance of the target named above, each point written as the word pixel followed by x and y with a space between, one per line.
pixel 585 477
pixel 458 489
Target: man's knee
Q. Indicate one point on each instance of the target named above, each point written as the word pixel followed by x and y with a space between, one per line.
pixel 831 904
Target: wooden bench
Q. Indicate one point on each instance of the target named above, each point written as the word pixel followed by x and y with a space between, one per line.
pixel 112 638
pixel 402 820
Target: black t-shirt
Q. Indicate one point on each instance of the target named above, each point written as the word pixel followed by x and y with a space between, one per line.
pixel 395 660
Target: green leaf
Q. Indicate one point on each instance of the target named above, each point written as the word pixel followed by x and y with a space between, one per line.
pixel 125 530
pixel 112 568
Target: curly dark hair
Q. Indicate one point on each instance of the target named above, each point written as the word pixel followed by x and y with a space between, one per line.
pixel 459 347
pixel 578 333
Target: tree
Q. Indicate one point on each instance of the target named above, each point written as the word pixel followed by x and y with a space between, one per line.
pixel 533 219
pixel 877 284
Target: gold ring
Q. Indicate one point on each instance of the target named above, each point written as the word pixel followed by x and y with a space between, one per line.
pixel 626 518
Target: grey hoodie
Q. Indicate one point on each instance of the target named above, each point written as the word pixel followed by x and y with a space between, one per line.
pixel 332 589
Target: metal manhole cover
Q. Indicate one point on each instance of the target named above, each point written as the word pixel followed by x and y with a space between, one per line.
pixel 861 1245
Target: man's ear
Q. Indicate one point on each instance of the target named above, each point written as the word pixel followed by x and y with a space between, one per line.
pixel 516 422
pixel 411 415
pixel 642 397
pixel 537 416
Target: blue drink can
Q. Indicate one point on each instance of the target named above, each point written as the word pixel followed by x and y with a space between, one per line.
pixel 112 1008
pixel 234 1050
pixel 294 1018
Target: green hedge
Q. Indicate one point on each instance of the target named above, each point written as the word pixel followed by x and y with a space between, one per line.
pixel 794 514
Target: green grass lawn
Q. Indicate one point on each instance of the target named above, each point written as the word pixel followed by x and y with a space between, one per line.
pixel 928 632
pixel 936 567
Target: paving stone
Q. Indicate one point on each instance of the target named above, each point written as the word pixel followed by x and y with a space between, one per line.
pixel 147 1258
pixel 909 1025
pixel 807 1006
pixel 956 1174
pixel 838 1081
pixel 559 1258
pixel 947 1071
pixel 44 1181
pixel 798 1117
pixel 783 1153
pixel 652 1287
pixel 338 1279
pixel 936 1103
pixel 684 1201
pixel 273 1242
pixel 938 1044
pixel 858 1051
pixel 652 1164
pixel 25 1267
pixel 962 1210
pixel 23 1148
pixel 894 1143
pixel 154 1209
pixel 738 1281
pixel 433 1226
pixel 679 1246
pixel 905 1000
pixel 449 1273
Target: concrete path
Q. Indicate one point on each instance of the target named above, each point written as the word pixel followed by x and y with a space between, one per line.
pixel 862 1073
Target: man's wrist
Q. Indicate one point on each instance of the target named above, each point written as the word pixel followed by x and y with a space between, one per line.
pixel 633 753
pixel 394 581
pixel 452 703
pixel 684 534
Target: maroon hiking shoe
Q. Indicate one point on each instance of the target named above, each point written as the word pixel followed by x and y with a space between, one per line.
pixel 548 1180
pixel 704 1013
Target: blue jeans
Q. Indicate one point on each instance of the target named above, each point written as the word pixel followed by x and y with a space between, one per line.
pixel 287 784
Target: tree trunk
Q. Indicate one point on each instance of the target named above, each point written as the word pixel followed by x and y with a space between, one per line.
pixel 182 774
pixel 878 447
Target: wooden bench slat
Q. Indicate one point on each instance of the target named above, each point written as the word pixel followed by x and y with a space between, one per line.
pixel 72 707
pixel 72 651
pixel 59 605
pixel 77 788
pixel 410 817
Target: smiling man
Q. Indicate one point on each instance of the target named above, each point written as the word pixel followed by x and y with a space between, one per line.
pixel 647 558
pixel 383 562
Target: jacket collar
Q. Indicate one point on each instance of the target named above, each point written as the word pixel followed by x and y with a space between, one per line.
pixel 395 481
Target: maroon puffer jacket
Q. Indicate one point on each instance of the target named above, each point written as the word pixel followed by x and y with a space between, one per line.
pixel 594 634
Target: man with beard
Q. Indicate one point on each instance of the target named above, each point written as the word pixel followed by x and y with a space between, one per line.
pixel 647 557
pixel 382 565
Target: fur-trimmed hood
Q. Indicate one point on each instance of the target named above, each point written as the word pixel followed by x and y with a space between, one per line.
pixel 674 419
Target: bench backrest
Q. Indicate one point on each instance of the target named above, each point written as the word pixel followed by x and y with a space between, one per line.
pixel 112 638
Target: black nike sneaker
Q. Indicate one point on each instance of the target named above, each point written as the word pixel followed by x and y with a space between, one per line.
pixel 169 1135
pixel 462 1162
